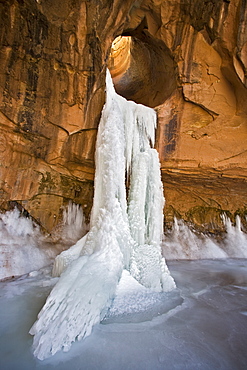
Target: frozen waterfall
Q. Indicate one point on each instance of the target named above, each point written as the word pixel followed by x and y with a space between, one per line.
pixel 123 235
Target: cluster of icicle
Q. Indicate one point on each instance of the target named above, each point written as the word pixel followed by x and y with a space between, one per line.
pixel 183 243
pixel 20 245
pixel 23 246
pixel 123 235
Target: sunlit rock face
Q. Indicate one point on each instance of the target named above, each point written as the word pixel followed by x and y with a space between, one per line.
pixel 187 59
pixel 142 69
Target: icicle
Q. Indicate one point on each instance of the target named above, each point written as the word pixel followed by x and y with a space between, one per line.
pixel 22 247
pixel 146 223
pixel 86 287
pixel 182 243
pixel 235 240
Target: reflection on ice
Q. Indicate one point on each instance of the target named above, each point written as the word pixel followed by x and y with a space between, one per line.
pixel 204 327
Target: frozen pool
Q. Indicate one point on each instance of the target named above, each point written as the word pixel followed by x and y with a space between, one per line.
pixel 200 325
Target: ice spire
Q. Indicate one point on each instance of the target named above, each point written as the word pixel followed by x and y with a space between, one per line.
pixel 120 236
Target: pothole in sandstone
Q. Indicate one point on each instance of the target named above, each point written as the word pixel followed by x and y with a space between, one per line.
pixel 142 68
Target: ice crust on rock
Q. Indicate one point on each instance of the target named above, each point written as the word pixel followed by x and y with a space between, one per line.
pixel 24 247
pixel 20 245
pixel 181 242
pixel 121 236
pixel 235 240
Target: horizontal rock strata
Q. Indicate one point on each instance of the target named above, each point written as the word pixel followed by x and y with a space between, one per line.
pixel 187 59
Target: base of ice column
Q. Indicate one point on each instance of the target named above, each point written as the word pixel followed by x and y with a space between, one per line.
pixel 149 269
pixel 78 302
pixel 63 260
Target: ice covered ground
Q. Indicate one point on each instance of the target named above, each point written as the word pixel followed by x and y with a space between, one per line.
pixel 200 325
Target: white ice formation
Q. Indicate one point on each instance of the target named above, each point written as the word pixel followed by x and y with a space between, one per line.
pixel 181 242
pixel 235 242
pixel 121 236
pixel 20 245
pixel 25 248
pixel 73 225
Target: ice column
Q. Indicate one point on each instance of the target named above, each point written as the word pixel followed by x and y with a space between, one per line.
pixel 121 235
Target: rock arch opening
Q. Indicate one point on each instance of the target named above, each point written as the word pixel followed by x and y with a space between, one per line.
pixel 142 69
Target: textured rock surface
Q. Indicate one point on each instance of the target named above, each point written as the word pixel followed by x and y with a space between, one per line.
pixel 186 58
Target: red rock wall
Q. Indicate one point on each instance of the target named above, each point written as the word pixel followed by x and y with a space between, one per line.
pixel 53 57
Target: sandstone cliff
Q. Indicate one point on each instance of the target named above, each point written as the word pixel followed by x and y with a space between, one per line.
pixel 185 58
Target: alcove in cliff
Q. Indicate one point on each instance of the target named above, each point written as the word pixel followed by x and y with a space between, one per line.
pixel 142 68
